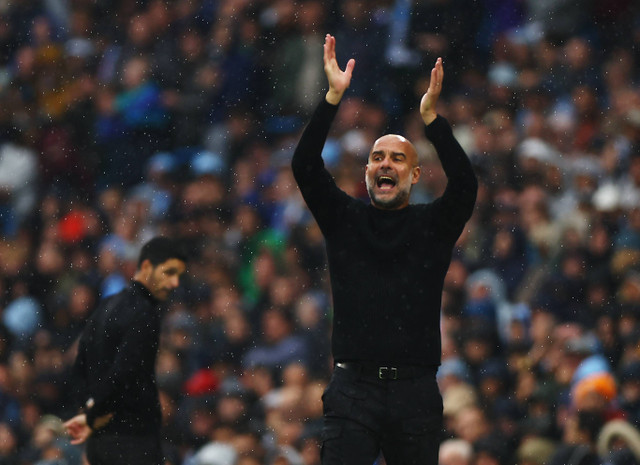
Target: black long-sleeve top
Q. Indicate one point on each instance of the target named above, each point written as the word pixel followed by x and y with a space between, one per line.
pixel 116 359
pixel 387 267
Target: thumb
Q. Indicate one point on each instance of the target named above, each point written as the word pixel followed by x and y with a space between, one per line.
pixel 349 69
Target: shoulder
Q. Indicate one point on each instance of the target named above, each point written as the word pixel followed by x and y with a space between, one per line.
pixel 128 305
pixel 121 298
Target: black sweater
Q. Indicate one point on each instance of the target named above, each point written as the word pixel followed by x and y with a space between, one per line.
pixel 387 267
pixel 116 360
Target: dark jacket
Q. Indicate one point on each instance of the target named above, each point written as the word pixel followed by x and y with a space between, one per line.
pixel 116 361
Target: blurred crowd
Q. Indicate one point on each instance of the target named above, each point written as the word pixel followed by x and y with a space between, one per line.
pixel 121 120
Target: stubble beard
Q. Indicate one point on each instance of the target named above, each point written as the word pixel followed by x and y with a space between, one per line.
pixel 391 203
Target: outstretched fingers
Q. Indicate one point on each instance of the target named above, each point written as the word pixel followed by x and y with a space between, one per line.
pixel 437 74
pixel 338 79
pixel 329 49
pixel 430 98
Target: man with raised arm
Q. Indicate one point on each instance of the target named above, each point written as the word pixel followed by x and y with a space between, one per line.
pixel 387 262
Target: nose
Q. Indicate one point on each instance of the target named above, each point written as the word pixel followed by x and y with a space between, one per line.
pixel 175 282
pixel 386 162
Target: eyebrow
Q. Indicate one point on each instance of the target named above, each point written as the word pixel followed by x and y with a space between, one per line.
pixel 173 270
pixel 381 152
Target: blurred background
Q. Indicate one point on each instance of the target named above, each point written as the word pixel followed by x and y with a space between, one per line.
pixel 121 120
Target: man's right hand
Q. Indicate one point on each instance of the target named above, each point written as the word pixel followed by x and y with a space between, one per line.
pixel 338 80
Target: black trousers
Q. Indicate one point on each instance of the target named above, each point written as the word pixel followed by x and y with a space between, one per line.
pixel 111 449
pixel 364 415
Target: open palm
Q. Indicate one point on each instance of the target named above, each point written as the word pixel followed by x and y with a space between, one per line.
pixel 430 98
pixel 339 80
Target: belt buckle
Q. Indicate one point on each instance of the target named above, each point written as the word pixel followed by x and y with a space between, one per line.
pixel 387 373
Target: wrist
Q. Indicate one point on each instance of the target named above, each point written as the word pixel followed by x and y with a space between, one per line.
pixel 429 117
pixel 333 96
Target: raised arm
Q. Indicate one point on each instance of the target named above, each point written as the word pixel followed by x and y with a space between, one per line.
pixel 455 206
pixel 338 80
pixel 316 184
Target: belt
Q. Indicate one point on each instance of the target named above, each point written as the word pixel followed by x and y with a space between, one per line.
pixel 372 370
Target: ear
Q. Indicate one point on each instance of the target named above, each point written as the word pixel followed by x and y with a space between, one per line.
pixel 415 174
pixel 146 268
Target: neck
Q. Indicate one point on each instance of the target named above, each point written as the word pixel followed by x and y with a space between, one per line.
pixel 389 208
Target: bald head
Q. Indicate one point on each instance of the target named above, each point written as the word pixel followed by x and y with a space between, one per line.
pixel 397 143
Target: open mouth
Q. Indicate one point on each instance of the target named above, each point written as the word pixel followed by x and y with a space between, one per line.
pixel 385 182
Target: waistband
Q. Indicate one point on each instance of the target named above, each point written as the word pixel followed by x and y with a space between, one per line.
pixel 387 371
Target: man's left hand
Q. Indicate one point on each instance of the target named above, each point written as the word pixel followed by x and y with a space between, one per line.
pixel 430 99
pixel 78 429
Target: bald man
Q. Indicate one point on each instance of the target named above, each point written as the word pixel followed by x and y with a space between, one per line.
pixel 387 262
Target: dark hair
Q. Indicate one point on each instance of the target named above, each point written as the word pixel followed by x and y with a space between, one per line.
pixel 160 249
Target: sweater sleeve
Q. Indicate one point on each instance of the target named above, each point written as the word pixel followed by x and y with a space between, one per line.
pixel 316 184
pixel 455 206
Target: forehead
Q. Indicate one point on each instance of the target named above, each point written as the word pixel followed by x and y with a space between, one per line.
pixel 393 143
pixel 173 264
